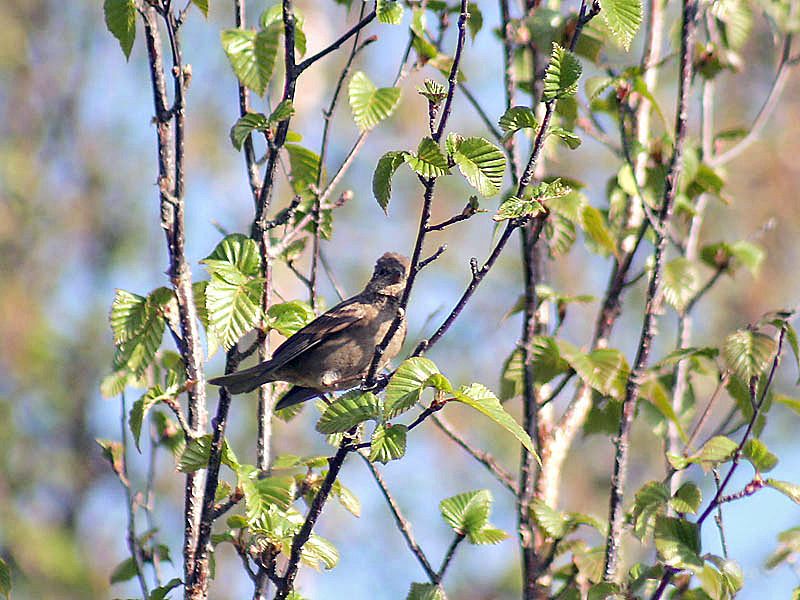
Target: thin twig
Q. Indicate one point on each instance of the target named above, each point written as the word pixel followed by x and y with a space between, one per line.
pixel 448 557
pixel 335 45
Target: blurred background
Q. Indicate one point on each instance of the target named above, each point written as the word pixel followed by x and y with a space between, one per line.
pixel 79 218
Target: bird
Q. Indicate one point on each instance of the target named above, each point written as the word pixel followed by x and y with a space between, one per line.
pixel 334 351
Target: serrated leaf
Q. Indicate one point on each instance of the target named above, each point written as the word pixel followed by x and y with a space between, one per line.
pixel 246 125
pixel 382 177
pixel 120 16
pixel 305 168
pixel 388 443
pixel 516 208
pixel 389 11
pixel 252 54
pixel 425 591
pixel 553 522
pixel 562 74
pixel 141 407
pixel 787 488
pixel 370 105
pixel 488 535
pixel 139 329
pixel 434 91
pixel 429 162
pixel 716 450
pixel 406 385
pixel 349 410
pixel 319 551
pixel 569 138
pixel 197 452
pixel 748 352
pixel 282 112
pixel 287 318
pixel 129 315
pixel 605 591
pixel 482 163
pixel 759 455
pixel 467 512
pixel 649 501
pixel 516 118
pixel 605 370
pixel 687 498
pixel 261 492
pixel 623 18
pixel 678 542
pixel 483 400
pixel 233 309
pixel 681 282
pixel 346 497
pixel 235 251
pixel 274 15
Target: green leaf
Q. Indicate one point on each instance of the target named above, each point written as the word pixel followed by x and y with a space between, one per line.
pixel 605 370
pixel 467 512
pixel 512 376
pixel 488 535
pixel 649 502
pixel 233 309
pixel 623 18
pixel 429 162
pixel 197 453
pixel 319 551
pixel 516 118
pixel 261 492
pixel 790 490
pixel 252 54
pixel 124 571
pixel 759 455
pixel 425 591
pixel 282 112
pixel 5 579
pixel 382 178
pixel 562 74
pixel 483 400
pixel 161 592
pixel 687 498
pixel 349 410
pixel 138 330
pixel 305 168
pixel 287 318
pixel 748 352
pixel 389 11
pixel 236 252
pixel 346 497
pixel 722 255
pixel 388 443
pixel 681 282
pixel 554 523
pixel 120 18
pixel 406 385
pixel 130 314
pixel 678 542
pixel 594 225
pixel 515 208
pixel 568 137
pixel 605 591
pixel 654 391
pixel 142 406
pixel 434 91
pixel 273 16
pixel 716 450
pixel 202 5
pixel 481 162
pixel 370 105
pixel 246 125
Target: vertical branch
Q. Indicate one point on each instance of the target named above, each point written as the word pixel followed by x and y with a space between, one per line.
pixel 170 135
pixel 653 302
pixel 253 176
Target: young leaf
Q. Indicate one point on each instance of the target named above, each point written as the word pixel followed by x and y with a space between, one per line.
pixel 554 523
pixel 481 162
pixel 120 18
pixel 748 352
pixel 233 308
pixel 130 314
pixel 197 452
pixel 349 410
pixel 759 455
pixel 467 512
pixel 562 74
pixel 687 498
pixel 429 162
pixel 346 497
pixel 124 571
pixel 389 11
pixel 370 105
pixel 261 492
pixel 516 118
pixel 382 178
pixel 425 591
pixel 305 168
pixel 160 593
pixel 678 542
pixel 202 6
pixel 515 208
pixel 287 318
pixel 623 18
pixel 568 137
pixel 434 91
pixel 388 443
pixel 274 15
pixel 483 400
pixel 716 450
pixel 252 54
pixel 5 579
pixel 790 490
pixel 246 125
pixel 283 111
pixel 649 502
pixel 142 406
pixel 681 282
pixel 318 551
pixel 406 385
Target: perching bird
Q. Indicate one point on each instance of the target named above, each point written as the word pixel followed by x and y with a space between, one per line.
pixel 335 350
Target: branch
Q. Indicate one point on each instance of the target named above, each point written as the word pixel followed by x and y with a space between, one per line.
pixel 451 551
pixel 402 524
pixel 335 45
pixel 653 302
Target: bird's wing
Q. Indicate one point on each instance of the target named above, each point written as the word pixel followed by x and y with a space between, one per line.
pixel 337 319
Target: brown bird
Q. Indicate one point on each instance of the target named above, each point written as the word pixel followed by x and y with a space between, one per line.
pixel 335 350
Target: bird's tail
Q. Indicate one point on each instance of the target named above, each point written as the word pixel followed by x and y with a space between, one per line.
pixel 246 380
pixel 296 395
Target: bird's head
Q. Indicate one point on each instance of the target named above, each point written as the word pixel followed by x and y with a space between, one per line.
pixel 389 276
